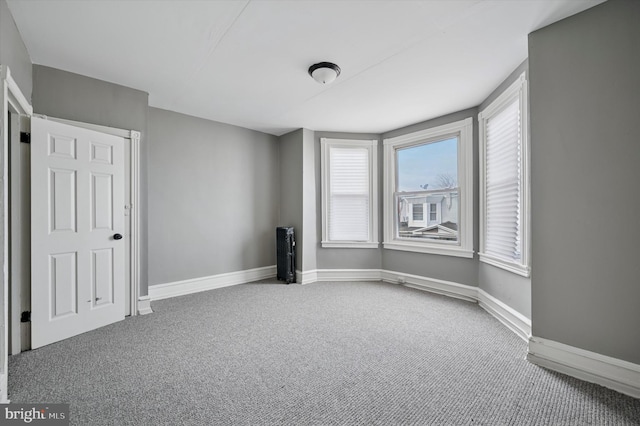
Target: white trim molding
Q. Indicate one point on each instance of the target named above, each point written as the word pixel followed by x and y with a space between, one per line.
pixel 11 100
pixel 134 229
pixel 613 373
pixel 127 134
pixel 463 130
pixel 515 268
pixel 144 305
pixel 446 250
pixel 3 389
pixel 447 288
pixel 195 285
pixel 14 95
pixel 349 244
pixel 433 285
pixel 348 274
pixel 508 316
pixel 306 277
pixel 315 275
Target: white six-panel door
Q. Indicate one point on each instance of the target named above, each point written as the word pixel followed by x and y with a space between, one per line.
pixel 77 208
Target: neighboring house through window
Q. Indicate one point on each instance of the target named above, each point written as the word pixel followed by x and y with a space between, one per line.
pixel 428 198
pixel 504 186
pixel 349 193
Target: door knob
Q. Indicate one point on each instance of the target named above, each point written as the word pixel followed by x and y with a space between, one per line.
pixel 117 237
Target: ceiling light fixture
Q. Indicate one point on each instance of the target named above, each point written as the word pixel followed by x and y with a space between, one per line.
pixel 324 72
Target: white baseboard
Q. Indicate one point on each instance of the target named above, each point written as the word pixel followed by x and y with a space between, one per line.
pixel 447 288
pixel 307 277
pixel 513 319
pixel 613 373
pixel 349 274
pixel 4 398
pixel 180 288
pixel 144 305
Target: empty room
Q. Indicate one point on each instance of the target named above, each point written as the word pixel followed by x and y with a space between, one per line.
pixel 322 212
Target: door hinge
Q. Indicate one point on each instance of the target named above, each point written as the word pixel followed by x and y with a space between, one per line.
pixel 26 316
pixel 25 137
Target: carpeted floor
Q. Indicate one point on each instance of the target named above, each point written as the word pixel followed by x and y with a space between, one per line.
pixel 322 354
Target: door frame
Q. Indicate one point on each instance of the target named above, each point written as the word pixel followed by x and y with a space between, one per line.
pixel 11 101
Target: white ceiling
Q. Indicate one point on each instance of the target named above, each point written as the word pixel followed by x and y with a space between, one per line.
pixel 245 62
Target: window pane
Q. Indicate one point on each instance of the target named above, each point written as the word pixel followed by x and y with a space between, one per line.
pixel 417 212
pixel 433 211
pixel 428 166
pixel 427 195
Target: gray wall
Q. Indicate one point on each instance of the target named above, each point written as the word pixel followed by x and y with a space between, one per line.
pixel 585 104
pixel 291 187
pixel 62 94
pixel 344 258
pixel 457 269
pixel 298 194
pixel 510 288
pixel 309 202
pixel 213 197
pixel 13 52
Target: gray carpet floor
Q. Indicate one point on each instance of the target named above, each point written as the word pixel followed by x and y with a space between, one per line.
pixel 357 353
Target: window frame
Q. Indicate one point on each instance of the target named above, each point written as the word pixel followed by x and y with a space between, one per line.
pixel 517 90
pixel 372 146
pixel 463 129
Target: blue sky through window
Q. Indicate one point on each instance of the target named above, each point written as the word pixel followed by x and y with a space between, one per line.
pixel 424 164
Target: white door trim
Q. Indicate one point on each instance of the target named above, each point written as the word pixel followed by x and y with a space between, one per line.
pixel 134 201
pixel 11 99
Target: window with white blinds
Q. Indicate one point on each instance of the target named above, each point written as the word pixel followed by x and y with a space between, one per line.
pixel 349 193
pixel 504 180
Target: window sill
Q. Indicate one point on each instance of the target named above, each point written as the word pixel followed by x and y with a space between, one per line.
pixel 429 248
pixel 507 266
pixel 349 244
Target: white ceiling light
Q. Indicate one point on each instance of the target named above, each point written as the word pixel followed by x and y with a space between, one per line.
pixel 324 72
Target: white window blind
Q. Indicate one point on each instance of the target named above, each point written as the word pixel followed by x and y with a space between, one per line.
pixel 502 184
pixel 349 194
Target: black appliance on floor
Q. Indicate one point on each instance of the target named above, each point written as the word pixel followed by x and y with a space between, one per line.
pixel 286 254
